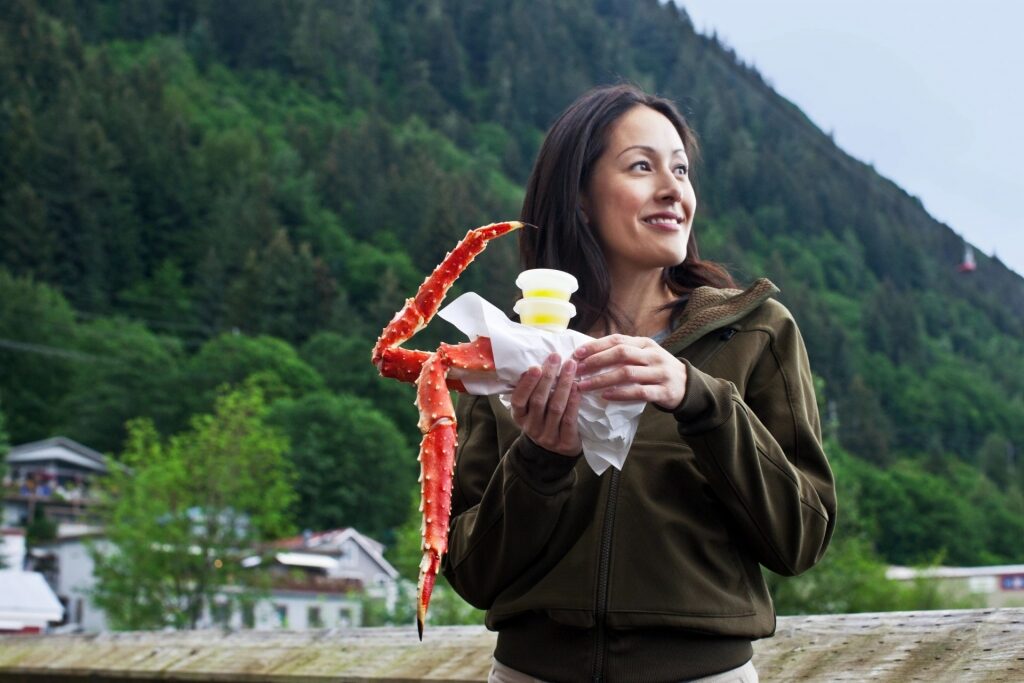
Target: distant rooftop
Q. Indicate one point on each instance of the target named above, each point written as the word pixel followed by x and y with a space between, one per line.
pixel 58 448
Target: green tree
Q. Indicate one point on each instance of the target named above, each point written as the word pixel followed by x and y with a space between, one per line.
pixel 282 291
pixel 132 375
pixel 996 460
pixel 344 363
pixel 5 444
pixel 852 578
pixel 36 357
pixel 183 513
pixel 232 359
pixel 354 467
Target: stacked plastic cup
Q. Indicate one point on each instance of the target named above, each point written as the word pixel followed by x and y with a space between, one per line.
pixel 545 303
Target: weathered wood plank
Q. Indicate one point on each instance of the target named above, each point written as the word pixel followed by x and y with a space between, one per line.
pixel 959 645
pixel 964 645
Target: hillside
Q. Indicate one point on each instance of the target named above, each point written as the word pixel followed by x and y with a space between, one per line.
pixel 194 191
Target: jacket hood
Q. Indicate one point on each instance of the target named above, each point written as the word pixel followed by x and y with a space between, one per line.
pixel 710 308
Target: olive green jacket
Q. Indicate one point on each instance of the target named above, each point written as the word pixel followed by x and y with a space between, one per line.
pixel 733 479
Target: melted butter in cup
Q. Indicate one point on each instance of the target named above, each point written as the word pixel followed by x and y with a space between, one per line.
pixel 545 313
pixel 546 294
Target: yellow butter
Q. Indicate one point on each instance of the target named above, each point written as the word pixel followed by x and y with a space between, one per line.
pixel 544 319
pixel 546 294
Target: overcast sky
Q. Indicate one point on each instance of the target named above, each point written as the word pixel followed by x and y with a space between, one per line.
pixel 931 92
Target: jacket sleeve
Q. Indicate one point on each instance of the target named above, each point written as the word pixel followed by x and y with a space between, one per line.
pixel 504 505
pixel 762 452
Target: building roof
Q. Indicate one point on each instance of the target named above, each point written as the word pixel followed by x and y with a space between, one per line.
pixel 907 573
pixel 58 448
pixel 26 599
pixel 331 541
pixel 308 560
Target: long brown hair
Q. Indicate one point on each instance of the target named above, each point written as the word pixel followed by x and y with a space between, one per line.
pixel 563 241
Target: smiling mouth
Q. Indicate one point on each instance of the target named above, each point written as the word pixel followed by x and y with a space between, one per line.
pixel 664 222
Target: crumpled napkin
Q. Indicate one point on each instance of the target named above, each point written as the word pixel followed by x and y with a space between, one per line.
pixel 606 427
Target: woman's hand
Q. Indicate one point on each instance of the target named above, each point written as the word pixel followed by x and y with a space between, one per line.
pixel 546 405
pixel 630 369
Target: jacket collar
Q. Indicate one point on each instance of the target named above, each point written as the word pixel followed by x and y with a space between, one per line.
pixel 710 308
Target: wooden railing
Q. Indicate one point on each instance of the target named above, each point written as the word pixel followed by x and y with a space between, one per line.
pixel 954 646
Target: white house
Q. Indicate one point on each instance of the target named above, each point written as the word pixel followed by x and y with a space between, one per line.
pixel 339 553
pixel 318 579
pixel 997 585
pixel 68 568
pixel 12 548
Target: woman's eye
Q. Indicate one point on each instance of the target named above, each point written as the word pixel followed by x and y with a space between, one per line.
pixel 682 169
pixel 641 165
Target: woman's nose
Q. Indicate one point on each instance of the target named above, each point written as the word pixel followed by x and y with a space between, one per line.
pixel 670 188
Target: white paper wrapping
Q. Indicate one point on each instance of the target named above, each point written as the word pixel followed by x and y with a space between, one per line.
pixel 606 427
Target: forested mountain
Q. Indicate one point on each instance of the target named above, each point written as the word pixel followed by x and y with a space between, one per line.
pixel 194 191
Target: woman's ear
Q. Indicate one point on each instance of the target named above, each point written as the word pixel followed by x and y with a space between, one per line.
pixel 582 211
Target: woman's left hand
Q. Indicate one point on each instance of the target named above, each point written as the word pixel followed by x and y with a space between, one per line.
pixel 630 369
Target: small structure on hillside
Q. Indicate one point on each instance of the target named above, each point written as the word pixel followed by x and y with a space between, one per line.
pixel 968 265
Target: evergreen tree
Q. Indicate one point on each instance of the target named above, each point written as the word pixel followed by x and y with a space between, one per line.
pixel 36 356
pixel 343 449
pixel 5 444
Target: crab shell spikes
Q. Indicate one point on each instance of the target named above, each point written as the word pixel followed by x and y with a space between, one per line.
pixel 429 371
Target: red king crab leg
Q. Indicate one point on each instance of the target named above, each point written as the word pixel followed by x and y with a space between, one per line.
pixel 429 371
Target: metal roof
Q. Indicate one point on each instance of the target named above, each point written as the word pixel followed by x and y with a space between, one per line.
pixel 58 448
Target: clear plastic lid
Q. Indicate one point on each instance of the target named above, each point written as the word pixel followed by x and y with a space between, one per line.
pixel 546 283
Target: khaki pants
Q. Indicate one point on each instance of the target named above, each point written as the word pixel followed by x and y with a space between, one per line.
pixel 744 674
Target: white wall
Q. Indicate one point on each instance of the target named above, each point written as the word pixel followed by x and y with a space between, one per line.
pixel 75 580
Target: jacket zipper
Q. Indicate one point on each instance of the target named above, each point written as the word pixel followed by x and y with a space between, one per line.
pixel 604 566
pixel 603 576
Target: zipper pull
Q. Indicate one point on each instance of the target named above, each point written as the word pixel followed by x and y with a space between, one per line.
pixel 727 333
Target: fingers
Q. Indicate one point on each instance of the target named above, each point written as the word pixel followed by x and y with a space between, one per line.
pixel 627 368
pixel 612 350
pixel 625 374
pixel 521 394
pixel 545 405
pixel 537 406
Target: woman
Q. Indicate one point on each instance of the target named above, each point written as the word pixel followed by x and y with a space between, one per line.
pixel 651 573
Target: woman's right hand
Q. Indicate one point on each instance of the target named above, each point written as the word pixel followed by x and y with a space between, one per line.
pixel 546 406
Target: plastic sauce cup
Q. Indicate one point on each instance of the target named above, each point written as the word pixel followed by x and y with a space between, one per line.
pixel 546 283
pixel 545 313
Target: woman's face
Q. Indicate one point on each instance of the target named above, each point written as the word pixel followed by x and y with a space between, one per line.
pixel 639 198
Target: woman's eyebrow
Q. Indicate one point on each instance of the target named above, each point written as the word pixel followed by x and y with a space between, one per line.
pixel 650 150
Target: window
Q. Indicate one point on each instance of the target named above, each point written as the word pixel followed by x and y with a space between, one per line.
pixel 345 617
pixel 282 615
pixel 248 614
pixel 313 618
pixel 220 610
pixel 348 557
